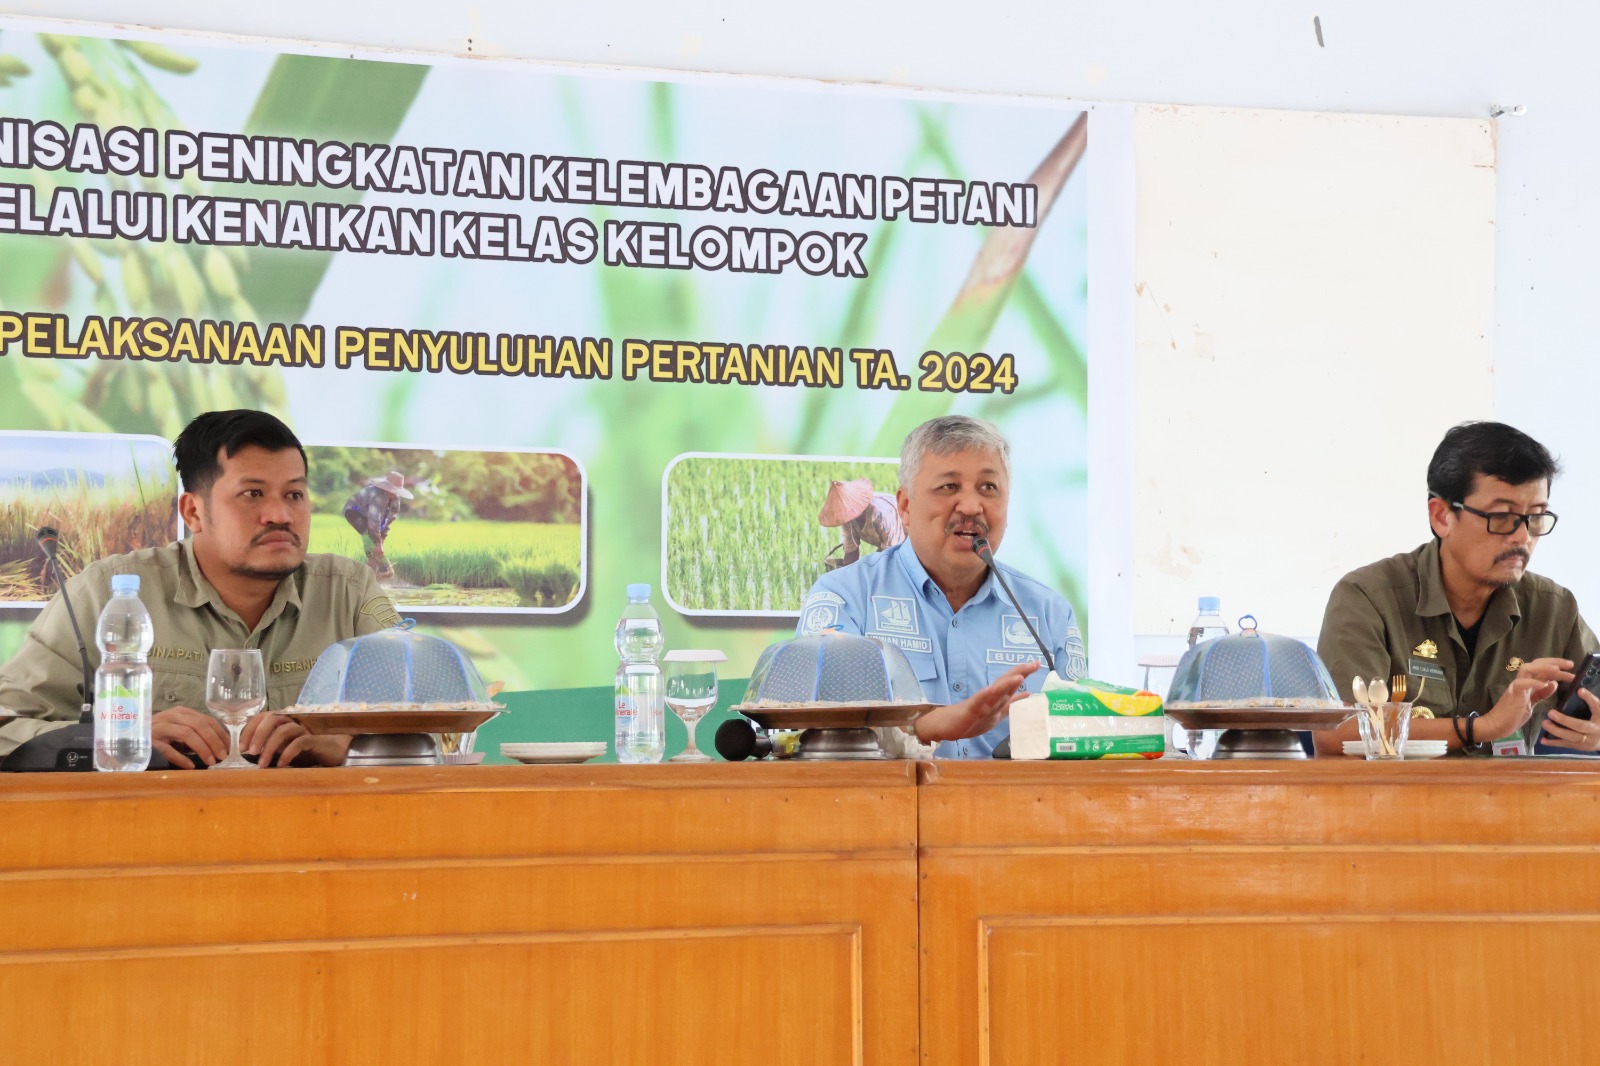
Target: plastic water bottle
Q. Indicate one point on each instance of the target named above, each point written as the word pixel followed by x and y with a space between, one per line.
pixel 122 684
pixel 641 734
pixel 1207 625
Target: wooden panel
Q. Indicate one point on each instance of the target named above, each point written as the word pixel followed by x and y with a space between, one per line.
pixel 1216 913
pixel 474 914
pixel 1305 989
pixel 697 995
pixel 479 812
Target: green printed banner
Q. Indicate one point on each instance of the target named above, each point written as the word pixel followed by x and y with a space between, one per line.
pixel 599 327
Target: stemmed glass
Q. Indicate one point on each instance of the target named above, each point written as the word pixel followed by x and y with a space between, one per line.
pixel 236 688
pixel 691 693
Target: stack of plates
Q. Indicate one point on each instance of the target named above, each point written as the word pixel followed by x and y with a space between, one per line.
pixel 1415 749
pixel 574 751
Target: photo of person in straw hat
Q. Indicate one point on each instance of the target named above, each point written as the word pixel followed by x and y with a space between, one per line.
pixel 371 510
pixel 860 514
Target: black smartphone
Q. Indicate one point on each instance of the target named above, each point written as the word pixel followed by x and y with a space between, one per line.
pixel 1587 676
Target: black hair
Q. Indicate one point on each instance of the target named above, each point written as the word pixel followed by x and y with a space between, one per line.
pixel 1492 449
pixel 195 450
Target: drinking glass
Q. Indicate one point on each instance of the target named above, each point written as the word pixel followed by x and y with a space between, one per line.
pixel 1384 729
pixel 691 693
pixel 236 688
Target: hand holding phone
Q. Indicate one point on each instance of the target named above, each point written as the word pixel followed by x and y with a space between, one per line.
pixel 1587 675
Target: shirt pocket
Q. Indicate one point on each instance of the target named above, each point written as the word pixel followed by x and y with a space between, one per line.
pixel 178 684
pixel 283 690
pixel 926 668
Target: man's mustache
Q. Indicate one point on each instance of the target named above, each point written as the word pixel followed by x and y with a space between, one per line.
pixel 967 525
pixel 1513 553
pixel 276 529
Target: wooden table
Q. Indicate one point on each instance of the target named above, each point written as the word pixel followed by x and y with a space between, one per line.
pixel 762 914
pixel 1332 911
pixel 1324 912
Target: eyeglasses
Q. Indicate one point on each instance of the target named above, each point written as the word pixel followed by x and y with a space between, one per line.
pixel 1505 523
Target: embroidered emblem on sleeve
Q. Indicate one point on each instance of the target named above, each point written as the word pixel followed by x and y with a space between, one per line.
pixel 382 609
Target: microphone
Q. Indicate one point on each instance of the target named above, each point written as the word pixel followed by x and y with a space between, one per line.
pixel 981 546
pixel 49 539
pixel 737 740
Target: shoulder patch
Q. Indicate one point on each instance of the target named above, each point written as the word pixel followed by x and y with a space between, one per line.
pixel 382 609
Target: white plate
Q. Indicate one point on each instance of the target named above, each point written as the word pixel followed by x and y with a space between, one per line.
pixel 568 752
pixel 1415 749
pixel 554 747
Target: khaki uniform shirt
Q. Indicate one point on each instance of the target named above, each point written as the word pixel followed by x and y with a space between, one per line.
pixel 1392 618
pixel 327 600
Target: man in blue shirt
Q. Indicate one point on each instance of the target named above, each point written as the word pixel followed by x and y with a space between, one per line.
pixel 932 596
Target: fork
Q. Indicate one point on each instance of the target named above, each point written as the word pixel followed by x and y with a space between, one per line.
pixel 1397 686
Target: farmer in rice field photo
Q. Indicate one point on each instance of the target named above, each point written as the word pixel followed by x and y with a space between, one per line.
pixel 371 510
pixel 860 515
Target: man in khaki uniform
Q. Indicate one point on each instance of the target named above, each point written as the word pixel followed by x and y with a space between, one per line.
pixel 1484 644
pixel 241 580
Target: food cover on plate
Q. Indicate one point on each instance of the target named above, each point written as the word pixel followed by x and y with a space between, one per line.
pixel 1252 668
pixel 393 668
pixel 832 668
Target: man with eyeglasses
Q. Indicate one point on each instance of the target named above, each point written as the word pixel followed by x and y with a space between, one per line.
pixel 1482 642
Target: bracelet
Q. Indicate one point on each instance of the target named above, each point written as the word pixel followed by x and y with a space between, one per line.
pixel 1455 723
pixel 1472 734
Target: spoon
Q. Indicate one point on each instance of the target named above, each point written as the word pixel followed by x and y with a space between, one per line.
pixel 1379 694
pixel 1358 688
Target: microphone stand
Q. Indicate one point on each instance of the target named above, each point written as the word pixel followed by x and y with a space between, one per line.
pixel 47 538
pixel 981 546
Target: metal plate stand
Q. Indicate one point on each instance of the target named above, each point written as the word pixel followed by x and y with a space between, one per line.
pixel 393 749
pixel 1259 744
pixel 840 744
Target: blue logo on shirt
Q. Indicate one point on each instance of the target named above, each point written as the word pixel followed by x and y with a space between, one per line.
pixel 891 614
pixel 894 621
pixel 1015 631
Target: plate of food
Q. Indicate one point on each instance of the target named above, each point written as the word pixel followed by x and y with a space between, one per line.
pixel 1260 713
pixel 773 714
pixel 361 718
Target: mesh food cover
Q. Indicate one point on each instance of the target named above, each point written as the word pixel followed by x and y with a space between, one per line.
pixel 1251 665
pixel 394 666
pixel 833 667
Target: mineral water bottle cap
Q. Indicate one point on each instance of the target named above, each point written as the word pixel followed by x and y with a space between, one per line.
pixel 1210 603
pixel 638 592
pixel 124 583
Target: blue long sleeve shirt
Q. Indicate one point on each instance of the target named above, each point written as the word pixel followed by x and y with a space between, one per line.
pixel 889 595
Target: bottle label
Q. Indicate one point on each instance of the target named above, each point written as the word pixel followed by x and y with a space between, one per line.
pixel 117 715
pixel 624 705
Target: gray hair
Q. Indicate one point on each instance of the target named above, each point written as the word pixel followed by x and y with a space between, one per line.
pixel 946 436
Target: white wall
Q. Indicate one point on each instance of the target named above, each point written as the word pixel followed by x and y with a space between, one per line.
pixel 1424 57
pixel 1301 278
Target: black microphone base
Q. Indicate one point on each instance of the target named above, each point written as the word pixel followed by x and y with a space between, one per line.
pixel 66 750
